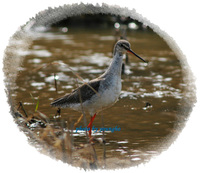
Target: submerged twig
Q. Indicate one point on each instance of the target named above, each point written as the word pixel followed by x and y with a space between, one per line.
pixel 78 121
pixel 63 143
pixel 21 106
pixel 69 140
pixel 83 112
pixel 95 164
pixel 32 97
pixel 43 116
pixel 58 112
pixel 104 142
pixel 55 83
pixel 76 74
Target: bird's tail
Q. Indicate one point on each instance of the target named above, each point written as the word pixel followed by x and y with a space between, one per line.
pixel 60 102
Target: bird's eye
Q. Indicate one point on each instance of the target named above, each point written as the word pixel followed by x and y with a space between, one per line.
pixel 124 46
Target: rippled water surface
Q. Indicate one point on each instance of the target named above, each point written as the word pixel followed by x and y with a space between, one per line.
pixel 150 106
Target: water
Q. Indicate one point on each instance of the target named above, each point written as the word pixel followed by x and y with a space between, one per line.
pixel 149 111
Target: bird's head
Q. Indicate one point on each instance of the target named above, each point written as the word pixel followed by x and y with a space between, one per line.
pixel 123 46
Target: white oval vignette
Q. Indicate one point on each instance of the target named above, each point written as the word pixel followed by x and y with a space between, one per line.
pixel 171 16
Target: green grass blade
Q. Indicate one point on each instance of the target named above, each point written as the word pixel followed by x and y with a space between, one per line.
pixel 37 105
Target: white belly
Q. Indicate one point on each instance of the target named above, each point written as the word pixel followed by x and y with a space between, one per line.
pixel 107 97
pixel 110 95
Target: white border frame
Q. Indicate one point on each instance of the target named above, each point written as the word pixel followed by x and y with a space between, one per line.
pixel 180 19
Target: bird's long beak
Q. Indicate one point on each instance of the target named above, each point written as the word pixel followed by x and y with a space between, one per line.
pixel 130 51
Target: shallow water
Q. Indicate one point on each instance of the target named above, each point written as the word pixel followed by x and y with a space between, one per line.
pixel 150 107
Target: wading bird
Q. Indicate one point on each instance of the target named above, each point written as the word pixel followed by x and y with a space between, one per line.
pixel 99 93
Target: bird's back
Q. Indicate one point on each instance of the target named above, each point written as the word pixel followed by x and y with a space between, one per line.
pixel 80 94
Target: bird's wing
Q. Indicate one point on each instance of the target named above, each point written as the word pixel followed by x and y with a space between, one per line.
pixel 74 97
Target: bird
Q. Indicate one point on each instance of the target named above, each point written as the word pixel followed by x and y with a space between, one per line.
pixel 101 92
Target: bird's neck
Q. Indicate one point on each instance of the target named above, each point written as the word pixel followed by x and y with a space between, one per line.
pixel 115 66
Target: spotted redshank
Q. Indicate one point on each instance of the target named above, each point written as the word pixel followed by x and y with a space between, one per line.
pixel 103 91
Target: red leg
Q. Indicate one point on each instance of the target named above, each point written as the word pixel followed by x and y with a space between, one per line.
pixel 90 124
